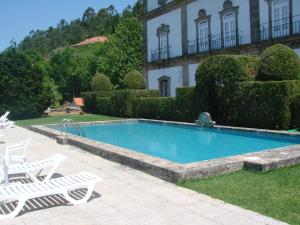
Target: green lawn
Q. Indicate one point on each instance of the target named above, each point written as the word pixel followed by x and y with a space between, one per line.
pixel 275 194
pixel 58 119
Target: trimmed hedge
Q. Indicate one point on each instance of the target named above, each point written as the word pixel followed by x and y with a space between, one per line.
pixel 279 62
pixel 250 65
pixel 188 105
pixel 215 78
pixel 134 80
pixel 155 108
pixel 263 104
pixel 120 101
pixel 104 105
pixel 89 101
pixel 295 112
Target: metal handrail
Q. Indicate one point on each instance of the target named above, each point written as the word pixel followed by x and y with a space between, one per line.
pixel 71 123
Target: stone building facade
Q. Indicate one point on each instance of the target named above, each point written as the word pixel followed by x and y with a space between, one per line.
pixel 179 34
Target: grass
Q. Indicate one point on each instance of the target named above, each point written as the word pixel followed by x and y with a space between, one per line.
pixel 57 119
pixel 275 194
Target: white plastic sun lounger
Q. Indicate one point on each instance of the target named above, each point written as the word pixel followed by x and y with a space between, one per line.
pixel 62 185
pixel 50 163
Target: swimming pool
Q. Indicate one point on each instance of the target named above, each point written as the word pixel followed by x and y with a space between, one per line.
pixel 183 144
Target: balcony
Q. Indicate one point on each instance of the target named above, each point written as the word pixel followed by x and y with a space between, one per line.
pixel 215 42
pixel 160 54
pixel 280 28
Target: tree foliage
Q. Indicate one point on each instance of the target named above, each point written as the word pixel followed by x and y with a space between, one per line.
pixel 21 83
pixel 124 51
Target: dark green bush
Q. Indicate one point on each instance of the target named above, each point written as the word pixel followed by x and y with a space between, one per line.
pixel 90 99
pixel 263 104
pixel 279 62
pixel 103 105
pixel 155 108
pixel 122 100
pixel 134 80
pixel 215 78
pixel 250 65
pixel 188 105
pixel 295 112
pixel 100 82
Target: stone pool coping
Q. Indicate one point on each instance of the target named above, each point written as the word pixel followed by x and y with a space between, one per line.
pixel 173 172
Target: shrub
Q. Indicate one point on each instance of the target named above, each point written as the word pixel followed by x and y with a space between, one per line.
pixel 187 106
pixel 263 104
pixel 122 100
pixel 215 78
pixel 89 101
pixel 295 112
pixel 250 65
pixel 100 82
pixel 279 62
pixel 154 108
pixel 103 105
pixel 134 80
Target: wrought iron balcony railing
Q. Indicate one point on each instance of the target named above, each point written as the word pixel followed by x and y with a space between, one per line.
pixel 215 42
pixel 280 28
pixel 160 54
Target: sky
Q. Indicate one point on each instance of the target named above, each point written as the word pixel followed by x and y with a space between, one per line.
pixel 19 17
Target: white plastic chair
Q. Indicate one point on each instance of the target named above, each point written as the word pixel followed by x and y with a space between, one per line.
pixel 17 152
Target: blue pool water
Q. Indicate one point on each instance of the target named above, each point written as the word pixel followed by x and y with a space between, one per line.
pixel 183 144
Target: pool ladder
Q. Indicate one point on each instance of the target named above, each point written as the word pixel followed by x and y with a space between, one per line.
pixel 71 123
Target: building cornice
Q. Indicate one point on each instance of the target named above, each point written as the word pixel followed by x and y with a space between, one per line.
pixel 165 9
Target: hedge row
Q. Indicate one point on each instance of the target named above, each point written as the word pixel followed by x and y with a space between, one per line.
pixel 116 103
pixel 155 108
pixel 295 112
pixel 263 104
pixel 268 104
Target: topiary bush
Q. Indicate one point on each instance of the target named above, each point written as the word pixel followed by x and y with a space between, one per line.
pixel 279 62
pixel 216 76
pixel 250 65
pixel 155 108
pixel 100 82
pixel 134 80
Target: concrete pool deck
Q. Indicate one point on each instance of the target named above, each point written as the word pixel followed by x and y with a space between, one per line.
pixel 174 172
pixel 125 197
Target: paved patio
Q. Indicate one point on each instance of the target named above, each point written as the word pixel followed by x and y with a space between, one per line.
pixel 125 197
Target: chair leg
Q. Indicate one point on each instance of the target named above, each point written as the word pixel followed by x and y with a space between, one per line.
pixel 15 212
pixel 90 189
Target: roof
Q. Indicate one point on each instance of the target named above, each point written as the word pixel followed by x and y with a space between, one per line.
pixel 78 102
pixel 93 40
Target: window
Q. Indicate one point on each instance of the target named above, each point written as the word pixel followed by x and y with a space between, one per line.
pixel 229 30
pixel 163 41
pixel 280 14
pixel 229 24
pixel 164 86
pixel 203 36
pixel 163 46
